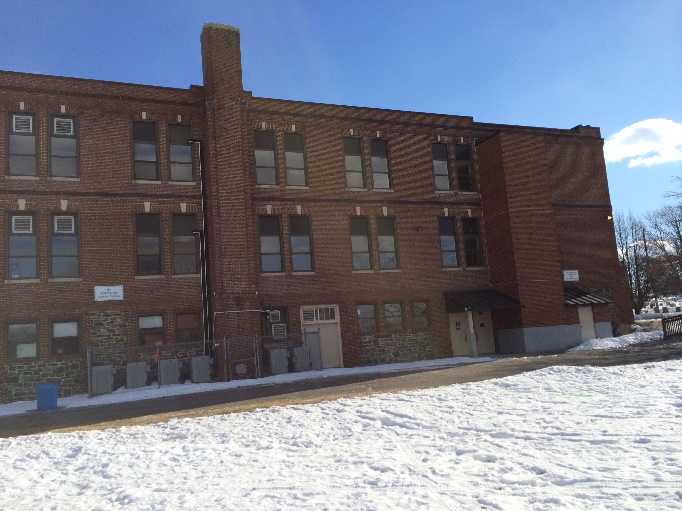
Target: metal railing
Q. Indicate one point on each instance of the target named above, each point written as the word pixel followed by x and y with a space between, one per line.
pixel 672 326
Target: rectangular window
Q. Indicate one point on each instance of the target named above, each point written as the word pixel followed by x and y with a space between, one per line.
pixel 144 142
pixel 352 154
pixel 270 244
pixel 380 168
pixel 22 340
pixel 188 327
pixel 64 246
pixel 465 171
pixel 367 320
pixel 63 148
pixel 264 145
pixel 420 316
pixel 22 247
pixel 22 145
pixel 393 315
pixel 441 169
pixel 148 244
pixel 65 338
pixel 447 229
pixel 185 247
pixel 180 152
pixel 150 330
pixel 294 157
pixel 472 242
pixel 387 244
pixel 301 248
pixel 359 241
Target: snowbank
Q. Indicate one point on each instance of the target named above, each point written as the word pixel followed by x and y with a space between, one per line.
pixel 619 342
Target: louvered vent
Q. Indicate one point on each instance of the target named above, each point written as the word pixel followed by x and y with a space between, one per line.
pixel 63 126
pixel 22 124
pixel 308 315
pixel 275 316
pixel 64 225
pixel 279 330
pixel 22 225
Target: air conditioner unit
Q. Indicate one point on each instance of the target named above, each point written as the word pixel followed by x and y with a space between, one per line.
pixel 279 330
pixel 201 369
pixel 102 380
pixel 300 358
pixel 278 361
pixel 169 372
pixel 275 316
pixel 136 375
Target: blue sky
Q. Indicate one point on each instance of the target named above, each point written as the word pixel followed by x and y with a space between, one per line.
pixel 612 64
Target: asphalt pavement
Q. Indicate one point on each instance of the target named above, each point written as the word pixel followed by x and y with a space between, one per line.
pixel 316 390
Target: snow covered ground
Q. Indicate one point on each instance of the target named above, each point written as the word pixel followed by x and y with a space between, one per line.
pixel 559 438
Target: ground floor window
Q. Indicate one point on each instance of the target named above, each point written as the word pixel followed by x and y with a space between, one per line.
pixel 150 330
pixel 65 338
pixel 22 340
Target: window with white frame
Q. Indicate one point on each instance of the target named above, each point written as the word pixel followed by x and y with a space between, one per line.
pixel 22 245
pixel 22 145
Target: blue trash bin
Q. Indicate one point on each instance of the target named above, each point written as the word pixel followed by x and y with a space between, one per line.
pixel 47 397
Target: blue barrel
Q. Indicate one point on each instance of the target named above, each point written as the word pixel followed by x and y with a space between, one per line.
pixel 47 397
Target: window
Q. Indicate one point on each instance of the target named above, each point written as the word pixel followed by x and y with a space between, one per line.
pixel 148 244
pixel 387 245
pixel 447 228
pixel 22 247
pixel 294 156
pixel 270 244
pixel 187 327
pixel 380 169
pixel 393 315
pixel 22 145
pixel 352 154
pixel 150 330
pixel 472 242
pixel 64 246
pixel 301 249
pixel 180 152
pixel 420 316
pixel 185 249
pixel 65 338
pixel 359 241
pixel 441 171
pixel 264 145
pixel 144 141
pixel 22 340
pixel 63 148
pixel 367 320
pixel 465 174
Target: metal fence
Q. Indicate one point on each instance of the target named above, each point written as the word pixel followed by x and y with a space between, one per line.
pixel 672 326
pixel 230 358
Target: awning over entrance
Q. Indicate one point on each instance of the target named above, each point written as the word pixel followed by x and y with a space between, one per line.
pixel 478 300
pixel 576 296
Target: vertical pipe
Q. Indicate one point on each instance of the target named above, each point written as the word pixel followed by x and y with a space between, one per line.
pixel 89 372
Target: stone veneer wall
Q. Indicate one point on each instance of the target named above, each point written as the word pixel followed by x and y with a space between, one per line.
pixel 107 329
pixel 396 348
pixel 22 378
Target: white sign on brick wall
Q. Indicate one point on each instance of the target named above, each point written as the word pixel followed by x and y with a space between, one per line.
pixel 107 293
pixel 571 276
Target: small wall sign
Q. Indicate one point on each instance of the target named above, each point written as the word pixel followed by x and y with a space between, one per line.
pixel 571 276
pixel 107 293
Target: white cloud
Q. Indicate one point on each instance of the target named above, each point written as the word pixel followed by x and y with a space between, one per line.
pixel 646 143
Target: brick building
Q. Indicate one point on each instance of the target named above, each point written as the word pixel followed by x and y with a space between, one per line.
pixel 399 235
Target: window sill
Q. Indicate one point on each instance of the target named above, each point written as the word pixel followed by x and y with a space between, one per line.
pixel 267 186
pixel 148 277
pixel 146 181
pixel 389 270
pixel 297 187
pixel 272 273
pixel 356 189
pixel 23 178
pixel 63 178
pixel 476 268
pixel 183 183
pixel 363 271
pixel 186 276
pixel 303 273
pixel 383 190
pixel 467 193
pixel 65 279
pixel 21 281
pixel 445 192
pixel 457 268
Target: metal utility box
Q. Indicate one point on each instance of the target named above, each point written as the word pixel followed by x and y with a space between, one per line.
pixel 136 375
pixel 102 380
pixel 299 359
pixel 278 361
pixel 201 369
pixel 169 372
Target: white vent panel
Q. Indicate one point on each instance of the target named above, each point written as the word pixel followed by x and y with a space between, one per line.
pixel 279 330
pixel 64 224
pixel 308 315
pixel 22 124
pixel 275 316
pixel 63 126
pixel 22 224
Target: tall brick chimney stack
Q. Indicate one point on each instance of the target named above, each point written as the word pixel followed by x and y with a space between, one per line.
pixel 222 60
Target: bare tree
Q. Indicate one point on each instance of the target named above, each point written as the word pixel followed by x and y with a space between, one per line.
pixel 665 228
pixel 633 252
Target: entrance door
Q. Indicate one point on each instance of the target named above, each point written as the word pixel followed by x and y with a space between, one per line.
pixel 459 333
pixel 587 330
pixel 483 326
pixel 326 319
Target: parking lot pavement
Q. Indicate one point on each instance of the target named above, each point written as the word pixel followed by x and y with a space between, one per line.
pixel 313 391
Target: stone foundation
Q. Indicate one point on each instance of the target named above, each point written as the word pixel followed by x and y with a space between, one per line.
pixel 21 379
pixel 396 348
